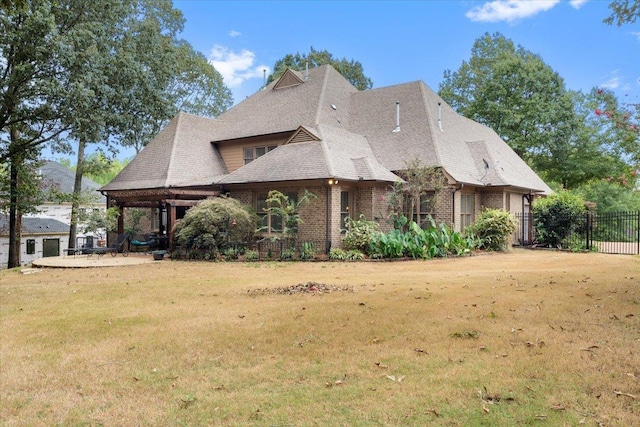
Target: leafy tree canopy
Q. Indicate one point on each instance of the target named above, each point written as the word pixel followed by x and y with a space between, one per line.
pixel 99 167
pixel 513 91
pixel 623 12
pixel 350 69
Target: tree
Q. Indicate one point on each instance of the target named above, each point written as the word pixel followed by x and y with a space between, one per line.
pixel 350 69
pixel 623 12
pixel 515 93
pixel 288 210
pixel 157 75
pixel 95 72
pixel 411 198
pixel 182 80
pixel 597 149
pixel 20 191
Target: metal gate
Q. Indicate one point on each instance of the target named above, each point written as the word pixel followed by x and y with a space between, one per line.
pixel 607 232
pixel 614 232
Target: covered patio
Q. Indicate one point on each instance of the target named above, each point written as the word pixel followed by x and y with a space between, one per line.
pixel 169 204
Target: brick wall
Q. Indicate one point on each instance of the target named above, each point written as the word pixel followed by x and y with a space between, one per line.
pixel 314 216
pixel 493 200
pixel 444 207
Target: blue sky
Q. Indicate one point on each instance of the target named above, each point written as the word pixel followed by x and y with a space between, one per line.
pixel 402 41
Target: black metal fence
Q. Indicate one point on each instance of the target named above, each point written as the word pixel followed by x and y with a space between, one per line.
pixel 608 232
pixel 261 250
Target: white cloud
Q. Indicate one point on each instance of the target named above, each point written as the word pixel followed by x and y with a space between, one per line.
pixel 509 10
pixel 236 67
pixel 637 34
pixel 577 4
pixel 234 33
pixel 612 81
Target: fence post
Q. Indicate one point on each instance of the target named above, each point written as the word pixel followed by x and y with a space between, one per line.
pixel 588 230
pixel 638 236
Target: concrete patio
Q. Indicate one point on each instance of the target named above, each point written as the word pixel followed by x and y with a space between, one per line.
pixel 93 261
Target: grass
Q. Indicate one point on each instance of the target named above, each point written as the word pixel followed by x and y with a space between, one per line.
pixel 524 338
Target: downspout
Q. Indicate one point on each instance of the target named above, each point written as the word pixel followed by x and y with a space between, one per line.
pixel 328 217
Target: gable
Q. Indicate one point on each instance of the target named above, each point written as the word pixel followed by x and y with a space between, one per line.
pixel 302 134
pixel 287 79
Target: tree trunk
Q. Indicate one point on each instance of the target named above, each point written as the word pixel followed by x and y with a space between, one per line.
pixel 77 194
pixel 15 216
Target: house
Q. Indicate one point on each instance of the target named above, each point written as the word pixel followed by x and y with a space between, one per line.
pixel 58 179
pixel 41 237
pixel 313 130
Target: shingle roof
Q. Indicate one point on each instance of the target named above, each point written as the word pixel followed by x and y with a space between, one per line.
pixel 35 225
pixel 181 155
pixel 338 154
pixel 356 132
pixel 63 179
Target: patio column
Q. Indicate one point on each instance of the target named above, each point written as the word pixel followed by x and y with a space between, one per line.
pixel 121 219
pixel 171 220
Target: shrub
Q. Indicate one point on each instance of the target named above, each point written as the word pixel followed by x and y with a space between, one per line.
pixel 359 234
pixel 307 251
pixel 433 241
pixel 337 254
pixel 492 229
pixel 251 256
pixel 213 225
pixel 287 254
pixel 557 217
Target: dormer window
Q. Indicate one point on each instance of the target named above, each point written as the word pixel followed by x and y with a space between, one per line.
pixel 252 153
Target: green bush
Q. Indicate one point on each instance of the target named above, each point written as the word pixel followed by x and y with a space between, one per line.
pixel 307 251
pixel 359 234
pixel 557 217
pixel 492 229
pixel 337 254
pixel 433 241
pixel 213 225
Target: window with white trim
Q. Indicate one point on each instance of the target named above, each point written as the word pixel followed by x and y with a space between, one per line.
pixel 252 153
pixel 466 210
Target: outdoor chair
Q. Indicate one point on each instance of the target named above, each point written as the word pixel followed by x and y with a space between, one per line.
pixel 113 248
pixel 150 243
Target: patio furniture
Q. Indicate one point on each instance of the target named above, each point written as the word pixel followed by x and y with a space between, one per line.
pixel 113 248
pixel 150 243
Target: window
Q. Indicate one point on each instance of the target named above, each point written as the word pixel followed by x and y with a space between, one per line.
pixel 250 154
pixel 423 209
pixel 345 202
pixel 466 210
pixel 270 223
pixel 31 246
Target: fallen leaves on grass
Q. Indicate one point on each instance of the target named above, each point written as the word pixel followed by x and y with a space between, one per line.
pixel 302 288
pixel 466 334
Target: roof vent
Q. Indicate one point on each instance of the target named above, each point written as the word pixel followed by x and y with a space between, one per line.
pixel 440 116
pixel 306 72
pixel 397 128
